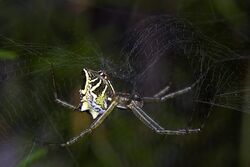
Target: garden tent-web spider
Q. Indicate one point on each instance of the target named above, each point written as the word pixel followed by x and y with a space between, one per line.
pixel 98 98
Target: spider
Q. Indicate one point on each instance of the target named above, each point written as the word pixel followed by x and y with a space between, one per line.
pixel 99 98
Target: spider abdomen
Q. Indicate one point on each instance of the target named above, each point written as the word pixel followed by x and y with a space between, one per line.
pixel 96 93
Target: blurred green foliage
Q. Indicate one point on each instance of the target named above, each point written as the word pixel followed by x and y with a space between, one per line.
pixel 9 55
pixel 32 157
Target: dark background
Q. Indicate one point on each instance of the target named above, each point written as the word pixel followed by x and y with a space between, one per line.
pixel 74 34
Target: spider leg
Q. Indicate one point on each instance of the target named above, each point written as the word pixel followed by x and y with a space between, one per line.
pixel 158 98
pixel 167 96
pixel 148 121
pixel 59 101
pixel 66 104
pixel 94 125
pixel 162 92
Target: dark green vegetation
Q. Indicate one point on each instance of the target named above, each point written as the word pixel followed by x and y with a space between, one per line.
pixel 74 34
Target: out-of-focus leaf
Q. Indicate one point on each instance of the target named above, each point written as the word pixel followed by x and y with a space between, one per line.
pixel 7 55
pixel 32 157
pixel 231 11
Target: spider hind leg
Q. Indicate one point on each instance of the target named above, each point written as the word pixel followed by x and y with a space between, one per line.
pixel 58 100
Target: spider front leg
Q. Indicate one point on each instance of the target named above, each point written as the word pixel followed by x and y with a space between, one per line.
pixel 160 97
pixel 148 121
pixel 94 125
pixel 162 92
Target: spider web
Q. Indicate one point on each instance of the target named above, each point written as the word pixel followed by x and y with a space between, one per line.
pixel 158 51
pixel 27 119
pixel 163 50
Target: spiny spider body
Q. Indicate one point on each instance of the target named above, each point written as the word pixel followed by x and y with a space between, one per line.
pixel 98 98
pixel 96 94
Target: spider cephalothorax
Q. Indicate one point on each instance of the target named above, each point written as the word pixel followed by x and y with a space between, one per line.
pixel 96 93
